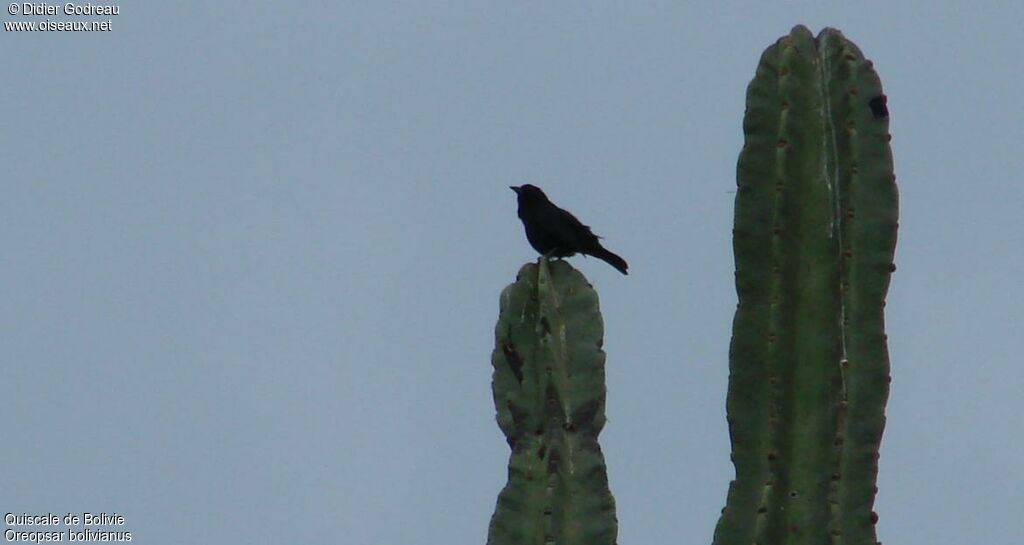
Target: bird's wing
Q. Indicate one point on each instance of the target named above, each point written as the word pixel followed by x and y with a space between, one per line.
pixel 580 230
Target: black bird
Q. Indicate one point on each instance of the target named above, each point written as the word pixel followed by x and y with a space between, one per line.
pixel 554 232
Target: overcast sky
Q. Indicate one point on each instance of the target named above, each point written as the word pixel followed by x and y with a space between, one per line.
pixel 252 255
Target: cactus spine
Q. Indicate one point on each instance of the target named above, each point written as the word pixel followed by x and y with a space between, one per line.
pixel 814 236
pixel 549 391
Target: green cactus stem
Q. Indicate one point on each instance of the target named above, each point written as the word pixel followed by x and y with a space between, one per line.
pixel 549 391
pixel 814 237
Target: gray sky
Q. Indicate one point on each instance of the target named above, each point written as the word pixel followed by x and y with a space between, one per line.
pixel 252 255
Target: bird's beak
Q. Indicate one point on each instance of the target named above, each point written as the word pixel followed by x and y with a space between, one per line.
pixel 514 188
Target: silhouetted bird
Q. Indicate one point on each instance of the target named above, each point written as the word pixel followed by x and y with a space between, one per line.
pixel 555 232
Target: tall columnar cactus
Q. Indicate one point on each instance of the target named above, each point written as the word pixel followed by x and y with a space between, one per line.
pixel 814 236
pixel 549 391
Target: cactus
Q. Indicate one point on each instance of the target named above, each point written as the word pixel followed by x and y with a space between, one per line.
pixel 814 236
pixel 549 391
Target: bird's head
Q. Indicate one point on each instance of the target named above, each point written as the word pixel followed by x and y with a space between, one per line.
pixel 529 193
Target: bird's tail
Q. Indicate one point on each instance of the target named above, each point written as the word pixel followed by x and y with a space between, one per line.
pixel 611 259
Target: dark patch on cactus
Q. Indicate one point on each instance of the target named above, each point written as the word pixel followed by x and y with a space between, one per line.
pixel 878 106
pixel 519 418
pixel 515 363
pixel 545 325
